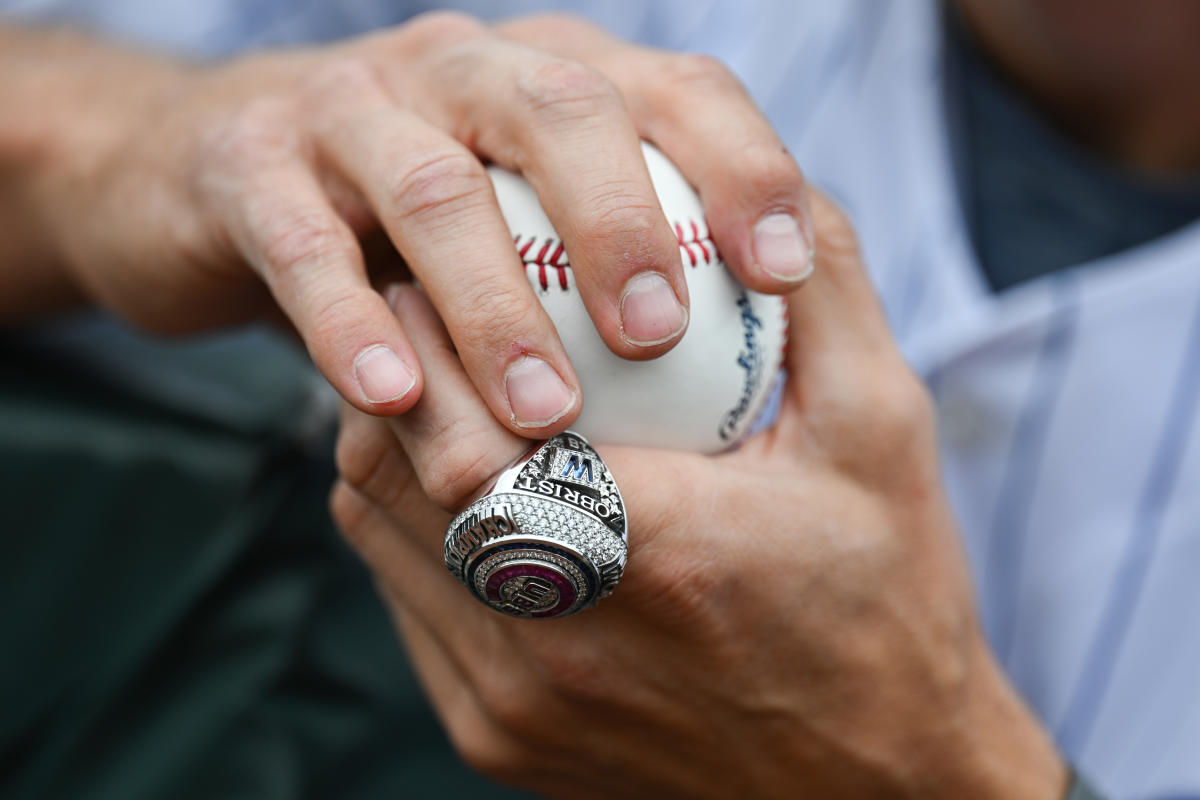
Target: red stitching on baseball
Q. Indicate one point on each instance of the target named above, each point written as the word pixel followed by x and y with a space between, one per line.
pixel 700 241
pixel 540 260
pixel 684 244
pixel 695 244
pixel 558 255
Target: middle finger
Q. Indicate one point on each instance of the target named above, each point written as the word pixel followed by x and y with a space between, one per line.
pixel 564 126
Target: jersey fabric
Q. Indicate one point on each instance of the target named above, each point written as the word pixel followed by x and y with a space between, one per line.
pixel 1067 402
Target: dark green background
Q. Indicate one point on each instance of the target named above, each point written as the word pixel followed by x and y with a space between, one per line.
pixel 179 617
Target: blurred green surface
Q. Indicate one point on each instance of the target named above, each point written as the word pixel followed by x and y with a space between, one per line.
pixel 179 617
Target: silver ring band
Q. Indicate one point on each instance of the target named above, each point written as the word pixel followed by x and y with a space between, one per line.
pixel 548 538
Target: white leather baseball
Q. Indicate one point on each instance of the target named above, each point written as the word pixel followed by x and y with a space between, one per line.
pixel 706 393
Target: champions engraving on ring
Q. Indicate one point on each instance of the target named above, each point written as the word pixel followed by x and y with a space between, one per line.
pixel 548 539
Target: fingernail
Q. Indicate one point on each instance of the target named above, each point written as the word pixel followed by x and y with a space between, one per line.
pixel 781 248
pixel 536 395
pixel 650 312
pixel 381 375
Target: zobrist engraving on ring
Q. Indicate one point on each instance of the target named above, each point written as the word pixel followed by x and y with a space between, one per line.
pixel 548 538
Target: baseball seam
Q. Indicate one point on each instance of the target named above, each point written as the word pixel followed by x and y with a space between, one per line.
pixel 696 247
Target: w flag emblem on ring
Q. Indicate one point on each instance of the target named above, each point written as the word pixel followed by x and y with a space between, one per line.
pixel 576 466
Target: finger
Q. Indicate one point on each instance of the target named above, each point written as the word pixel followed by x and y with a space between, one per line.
pixel 447 689
pixel 476 734
pixel 448 446
pixel 476 737
pixel 371 461
pixel 455 448
pixel 439 454
pixel 393 549
pixel 275 213
pixel 473 639
pixel 848 383
pixel 437 205
pixel 455 445
pixel 565 128
pixel 838 313
pixel 753 192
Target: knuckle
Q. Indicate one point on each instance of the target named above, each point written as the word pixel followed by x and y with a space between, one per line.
pixel 335 318
pixel 576 677
pixel 442 185
pixel 452 474
pixel 910 409
pixel 359 456
pixel 479 752
pixel 444 27
pixel 353 515
pixel 687 591
pixel 303 239
pixel 837 242
pixel 556 23
pixel 370 460
pixel 348 512
pixel 497 312
pixel 347 75
pixel 895 412
pixel 489 753
pixel 561 87
pixel 769 174
pixel 617 213
pixel 519 710
pixel 255 131
pixel 697 73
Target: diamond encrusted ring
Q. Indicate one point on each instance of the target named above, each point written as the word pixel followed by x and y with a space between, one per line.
pixel 548 538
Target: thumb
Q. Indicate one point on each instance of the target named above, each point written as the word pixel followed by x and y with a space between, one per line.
pixel 841 359
pixel 837 312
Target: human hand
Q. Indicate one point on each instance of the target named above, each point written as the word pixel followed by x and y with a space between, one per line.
pixel 217 192
pixel 795 619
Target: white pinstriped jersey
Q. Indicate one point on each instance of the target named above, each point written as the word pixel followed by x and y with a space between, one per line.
pixel 1068 404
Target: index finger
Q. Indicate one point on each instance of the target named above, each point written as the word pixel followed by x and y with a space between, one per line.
pixel 698 113
pixel 279 218
pixel 564 127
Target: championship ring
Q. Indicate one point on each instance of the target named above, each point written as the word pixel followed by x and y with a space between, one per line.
pixel 548 538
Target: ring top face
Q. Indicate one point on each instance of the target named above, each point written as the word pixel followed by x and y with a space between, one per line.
pixel 549 538
pixel 566 468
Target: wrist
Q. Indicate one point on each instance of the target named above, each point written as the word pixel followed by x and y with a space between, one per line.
pixel 1000 750
pixel 74 102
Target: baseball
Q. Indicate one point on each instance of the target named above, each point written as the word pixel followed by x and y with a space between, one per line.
pixel 705 394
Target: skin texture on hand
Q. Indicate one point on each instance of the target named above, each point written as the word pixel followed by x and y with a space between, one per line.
pixel 189 197
pixel 796 617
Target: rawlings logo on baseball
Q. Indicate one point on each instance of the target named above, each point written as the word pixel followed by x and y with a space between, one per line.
pixel 707 392
pixel 750 360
